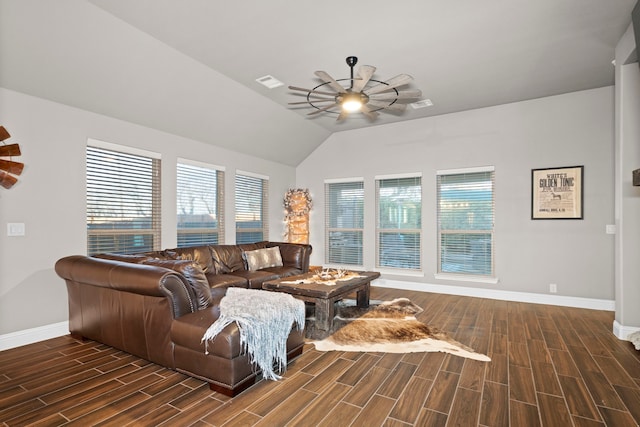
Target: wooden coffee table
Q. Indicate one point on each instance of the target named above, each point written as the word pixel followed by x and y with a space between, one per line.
pixel 325 295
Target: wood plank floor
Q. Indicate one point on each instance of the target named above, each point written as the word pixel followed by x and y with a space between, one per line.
pixel 551 366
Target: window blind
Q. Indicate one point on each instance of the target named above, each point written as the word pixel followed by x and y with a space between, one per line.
pixel 123 201
pixel 344 222
pixel 465 222
pixel 399 222
pixel 252 206
pixel 200 204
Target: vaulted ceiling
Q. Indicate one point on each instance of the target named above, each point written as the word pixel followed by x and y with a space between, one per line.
pixel 190 67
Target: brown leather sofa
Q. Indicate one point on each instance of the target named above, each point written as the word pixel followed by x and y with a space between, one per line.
pixel 157 305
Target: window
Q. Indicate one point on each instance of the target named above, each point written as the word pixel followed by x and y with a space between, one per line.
pixel 252 205
pixel 200 204
pixel 465 221
pixel 123 199
pixel 344 221
pixel 398 222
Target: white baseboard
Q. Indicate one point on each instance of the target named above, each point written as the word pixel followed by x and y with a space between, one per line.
pixel 29 336
pixel 566 301
pixel 621 331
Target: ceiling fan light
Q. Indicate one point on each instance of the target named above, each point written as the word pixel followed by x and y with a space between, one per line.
pixel 352 102
pixel 352 105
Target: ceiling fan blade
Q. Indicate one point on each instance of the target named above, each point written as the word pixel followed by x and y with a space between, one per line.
pixel 320 110
pixel 332 83
pixel 6 180
pixel 399 80
pixel 313 91
pixel 11 167
pixel 387 106
pixel 10 150
pixel 313 101
pixel 371 115
pixel 364 73
pixel 3 133
pixel 404 94
pixel 343 115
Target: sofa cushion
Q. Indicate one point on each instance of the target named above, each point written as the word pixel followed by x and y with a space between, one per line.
pixel 255 279
pixel 227 258
pixel 226 281
pixel 263 258
pixel 284 271
pixel 294 254
pixel 187 331
pixel 193 273
pixel 163 254
pixel 134 258
pixel 252 246
pixel 199 254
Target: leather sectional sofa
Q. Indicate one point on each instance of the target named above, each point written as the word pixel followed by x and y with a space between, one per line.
pixel 157 305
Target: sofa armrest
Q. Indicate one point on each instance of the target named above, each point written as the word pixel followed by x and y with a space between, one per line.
pixel 294 255
pixel 128 277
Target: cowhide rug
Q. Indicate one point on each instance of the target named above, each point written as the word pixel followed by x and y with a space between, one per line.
pixel 386 326
pixel 634 337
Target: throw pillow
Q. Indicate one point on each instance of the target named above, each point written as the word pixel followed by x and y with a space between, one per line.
pixel 263 258
pixel 193 273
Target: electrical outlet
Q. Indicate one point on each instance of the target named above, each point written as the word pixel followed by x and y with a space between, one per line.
pixel 553 288
pixel 15 229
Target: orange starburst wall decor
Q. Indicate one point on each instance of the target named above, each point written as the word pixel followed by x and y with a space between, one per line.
pixel 297 205
pixel 8 168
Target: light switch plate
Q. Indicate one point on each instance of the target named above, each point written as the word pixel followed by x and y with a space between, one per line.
pixel 610 229
pixel 15 229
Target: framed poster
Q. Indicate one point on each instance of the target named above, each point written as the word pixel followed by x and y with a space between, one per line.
pixel 556 193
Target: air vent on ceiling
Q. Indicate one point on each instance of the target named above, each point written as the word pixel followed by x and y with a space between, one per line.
pixel 421 104
pixel 269 81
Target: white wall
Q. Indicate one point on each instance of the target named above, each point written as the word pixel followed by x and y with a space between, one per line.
pixel 572 129
pixel 567 130
pixel 50 197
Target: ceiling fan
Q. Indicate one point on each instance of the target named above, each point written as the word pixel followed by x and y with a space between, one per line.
pixel 363 93
pixel 8 168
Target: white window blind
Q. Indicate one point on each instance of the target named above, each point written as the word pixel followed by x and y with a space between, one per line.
pixel 123 201
pixel 399 222
pixel 465 222
pixel 200 204
pixel 344 222
pixel 252 206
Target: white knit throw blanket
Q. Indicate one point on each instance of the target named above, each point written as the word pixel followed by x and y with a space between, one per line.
pixel 265 320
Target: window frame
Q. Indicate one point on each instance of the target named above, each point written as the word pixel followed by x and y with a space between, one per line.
pixel 466 276
pixel 330 210
pixel 264 207
pixel 200 172
pixel 100 175
pixel 417 230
